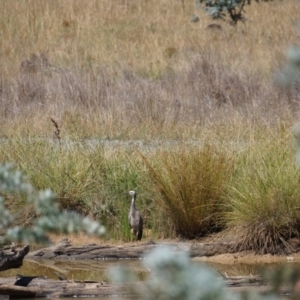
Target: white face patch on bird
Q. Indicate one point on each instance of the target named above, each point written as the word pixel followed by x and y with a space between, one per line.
pixel 132 193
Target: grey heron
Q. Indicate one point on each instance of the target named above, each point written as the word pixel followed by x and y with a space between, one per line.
pixel 135 219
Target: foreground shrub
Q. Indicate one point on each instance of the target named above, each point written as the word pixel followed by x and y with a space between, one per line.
pixel 174 277
pixel 264 199
pixel 49 217
pixel 188 184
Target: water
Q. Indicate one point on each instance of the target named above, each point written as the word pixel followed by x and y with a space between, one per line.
pixel 93 270
pixel 97 270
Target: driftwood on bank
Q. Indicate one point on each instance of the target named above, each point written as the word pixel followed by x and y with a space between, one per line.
pixel 30 286
pixel 12 256
pixel 64 250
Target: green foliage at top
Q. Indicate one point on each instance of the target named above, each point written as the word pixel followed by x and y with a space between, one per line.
pixel 49 217
pixel 222 9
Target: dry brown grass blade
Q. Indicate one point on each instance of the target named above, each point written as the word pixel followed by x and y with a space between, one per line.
pixel 57 130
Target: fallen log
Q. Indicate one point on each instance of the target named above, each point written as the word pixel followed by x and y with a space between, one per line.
pixel 18 291
pixel 12 256
pixel 42 287
pixel 250 280
pixel 64 250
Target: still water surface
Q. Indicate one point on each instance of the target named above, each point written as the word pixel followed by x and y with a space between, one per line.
pixel 97 270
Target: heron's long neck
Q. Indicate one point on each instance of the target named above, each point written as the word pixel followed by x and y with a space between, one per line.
pixel 132 203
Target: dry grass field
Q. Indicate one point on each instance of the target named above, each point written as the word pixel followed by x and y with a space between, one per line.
pixel 127 69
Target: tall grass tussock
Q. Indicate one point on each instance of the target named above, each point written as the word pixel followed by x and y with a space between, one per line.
pixel 188 185
pixel 85 86
pixel 264 199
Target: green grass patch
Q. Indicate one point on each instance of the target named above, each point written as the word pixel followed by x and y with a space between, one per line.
pixel 70 170
pixel 187 190
pixel 87 179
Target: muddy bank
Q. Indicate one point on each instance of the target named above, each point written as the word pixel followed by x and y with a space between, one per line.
pixel 41 287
